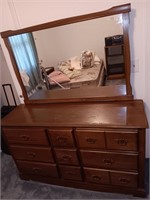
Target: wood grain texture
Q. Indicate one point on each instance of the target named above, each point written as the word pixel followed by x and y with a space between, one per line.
pixel 120 115
pixel 83 94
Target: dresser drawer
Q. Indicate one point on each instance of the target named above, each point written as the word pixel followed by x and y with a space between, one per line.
pixel 71 173
pixel 61 137
pixel 124 179
pixel 26 136
pixel 90 138
pixel 109 160
pixel 121 140
pixel 41 169
pixel 32 153
pixel 96 176
pixel 67 156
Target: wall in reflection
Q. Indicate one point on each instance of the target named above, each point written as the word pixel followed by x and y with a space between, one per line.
pixel 61 43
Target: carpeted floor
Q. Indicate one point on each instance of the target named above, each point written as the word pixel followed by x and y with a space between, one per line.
pixel 12 187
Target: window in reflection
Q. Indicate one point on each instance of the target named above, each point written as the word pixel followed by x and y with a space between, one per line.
pixel 26 57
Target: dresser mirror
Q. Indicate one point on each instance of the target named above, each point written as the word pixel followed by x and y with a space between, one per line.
pixel 82 58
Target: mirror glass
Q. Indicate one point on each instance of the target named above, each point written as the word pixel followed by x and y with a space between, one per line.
pixel 64 47
pixel 83 57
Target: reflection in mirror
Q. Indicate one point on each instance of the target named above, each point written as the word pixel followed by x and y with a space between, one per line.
pixel 83 54
pixel 76 59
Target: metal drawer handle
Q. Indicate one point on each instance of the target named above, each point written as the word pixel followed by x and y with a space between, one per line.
pixel 91 140
pixel 61 139
pixel 124 180
pixel 66 157
pixel 25 137
pixel 108 161
pixel 31 154
pixel 96 178
pixel 122 142
pixel 37 170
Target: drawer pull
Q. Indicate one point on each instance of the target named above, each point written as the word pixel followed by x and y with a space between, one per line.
pixel 66 157
pixel 121 142
pixel 91 140
pixel 71 173
pixel 25 137
pixel 96 178
pixel 124 180
pixel 37 170
pixel 61 139
pixel 31 154
pixel 108 161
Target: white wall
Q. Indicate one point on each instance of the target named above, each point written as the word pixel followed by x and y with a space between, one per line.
pixel 61 43
pixel 8 22
pixel 18 14
pixel 6 79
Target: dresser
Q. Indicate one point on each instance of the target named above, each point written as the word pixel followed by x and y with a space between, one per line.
pixel 94 146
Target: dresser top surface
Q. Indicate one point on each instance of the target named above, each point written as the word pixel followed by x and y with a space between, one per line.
pixel 129 114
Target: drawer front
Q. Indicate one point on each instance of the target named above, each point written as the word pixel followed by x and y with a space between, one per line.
pixel 41 169
pixel 109 160
pixel 96 176
pixel 66 156
pixel 71 173
pixel 26 136
pixel 32 153
pixel 124 179
pixel 122 141
pixel 90 138
pixel 61 138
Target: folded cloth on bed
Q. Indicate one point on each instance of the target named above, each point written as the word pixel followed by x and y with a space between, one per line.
pixel 57 77
pixel 66 68
pixel 75 62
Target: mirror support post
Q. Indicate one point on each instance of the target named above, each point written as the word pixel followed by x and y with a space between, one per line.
pixel 127 52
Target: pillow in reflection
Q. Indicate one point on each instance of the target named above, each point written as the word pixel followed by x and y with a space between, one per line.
pixel 87 59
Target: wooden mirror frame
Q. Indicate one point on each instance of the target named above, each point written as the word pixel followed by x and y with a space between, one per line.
pixel 106 93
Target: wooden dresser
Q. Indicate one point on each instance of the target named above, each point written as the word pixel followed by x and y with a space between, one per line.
pixel 95 146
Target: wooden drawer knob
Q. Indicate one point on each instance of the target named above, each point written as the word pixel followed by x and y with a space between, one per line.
pixel 91 140
pixel 70 173
pixel 66 157
pixel 61 139
pixel 96 178
pixel 25 137
pixel 108 161
pixel 31 154
pixel 124 180
pixel 121 141
pixel 37 170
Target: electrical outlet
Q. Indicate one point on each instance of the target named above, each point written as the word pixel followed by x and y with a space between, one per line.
pixel 135 66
